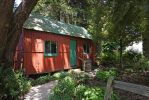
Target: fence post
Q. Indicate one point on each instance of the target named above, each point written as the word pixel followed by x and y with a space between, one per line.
pixel 109 89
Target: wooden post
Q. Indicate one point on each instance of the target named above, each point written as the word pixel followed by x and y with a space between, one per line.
pixel 109 89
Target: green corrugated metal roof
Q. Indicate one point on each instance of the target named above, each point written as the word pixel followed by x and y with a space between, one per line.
pixel 41 23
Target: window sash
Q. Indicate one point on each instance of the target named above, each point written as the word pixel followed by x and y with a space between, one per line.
pixel 86 48
pixel 50 48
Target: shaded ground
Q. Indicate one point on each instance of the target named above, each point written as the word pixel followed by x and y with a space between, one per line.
pixel 141 78
pixel 40 92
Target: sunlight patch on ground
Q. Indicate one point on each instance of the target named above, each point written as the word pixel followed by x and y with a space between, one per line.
pixel 40 92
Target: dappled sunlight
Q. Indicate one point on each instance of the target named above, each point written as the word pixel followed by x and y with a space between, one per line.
pixel 49 63
pixel 40 92
pixel 65 55
pixel 39 45
pixel 37 62
pixel 66 60
pixel 42 23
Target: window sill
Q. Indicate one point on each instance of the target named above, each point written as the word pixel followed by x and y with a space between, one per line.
pixel 50 55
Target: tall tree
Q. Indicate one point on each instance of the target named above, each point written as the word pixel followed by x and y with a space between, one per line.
pixel 62 10
pixel 145 34
pixel 11 25
pixel 125 23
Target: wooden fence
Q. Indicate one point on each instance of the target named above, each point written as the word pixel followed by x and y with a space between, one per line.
pixel 134 88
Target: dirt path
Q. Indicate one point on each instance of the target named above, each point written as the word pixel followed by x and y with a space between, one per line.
pixel 40 92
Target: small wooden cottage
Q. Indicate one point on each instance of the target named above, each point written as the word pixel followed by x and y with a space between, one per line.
pixel 47 46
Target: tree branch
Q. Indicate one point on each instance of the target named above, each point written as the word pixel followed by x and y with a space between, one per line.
pixel 19 17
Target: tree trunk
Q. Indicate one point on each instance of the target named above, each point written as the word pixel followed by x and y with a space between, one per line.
pixel 145 37
pixel 10 30
pixel 11 26
pixel 121 52
pixel 145 34
pixel 6 14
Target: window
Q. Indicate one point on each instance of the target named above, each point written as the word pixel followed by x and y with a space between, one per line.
pixel 86 48
pixel 50 48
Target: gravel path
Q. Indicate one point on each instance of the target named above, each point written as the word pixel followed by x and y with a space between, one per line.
pixel 40 92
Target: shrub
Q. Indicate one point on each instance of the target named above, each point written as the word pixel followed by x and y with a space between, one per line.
pixel 109 54
pixel 64 90
pixel 79 77
pixel 94 93
pixel 24 84
pixel 104 75
pixel 135 60
pixel 132 58
pixel 69 89
pixel 144 64
pixel 88 93
pixel 60 75
pixel 12 84
pixel 79 92
pixel 42 80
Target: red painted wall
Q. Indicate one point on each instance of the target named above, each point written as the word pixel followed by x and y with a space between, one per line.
pixel 34 60
pixel 18 58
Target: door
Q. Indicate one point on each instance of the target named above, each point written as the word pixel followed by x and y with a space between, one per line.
pixel 73 53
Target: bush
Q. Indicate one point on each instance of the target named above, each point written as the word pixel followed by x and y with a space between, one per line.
pixel 24 84
pixel 42 80
pixel 135 60
pixel 68 88
pixel 60 75
pixel 12 84
pixel 89 93
pixel 79 92
pixel 79 77
pixel 109 54
pixel 144 64
pixel 104 75
pixel 64 90
pixel 132 58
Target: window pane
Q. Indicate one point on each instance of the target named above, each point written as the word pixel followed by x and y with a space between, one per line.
pixel 50 48
pixel 53 47
pixel 86 48
pixel 47 47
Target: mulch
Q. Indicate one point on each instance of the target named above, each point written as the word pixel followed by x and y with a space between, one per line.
pixel 140 78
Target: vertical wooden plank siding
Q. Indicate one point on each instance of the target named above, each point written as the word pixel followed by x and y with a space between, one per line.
pixel 34 60
pixel 18 58
pixel 80 53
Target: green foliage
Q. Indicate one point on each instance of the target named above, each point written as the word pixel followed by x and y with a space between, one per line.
pixel 71 88
pixel 79 77
pixel 79 92
pixel 104 75
pixel 95 93
pixel 109 52
pixel 60 75
pixel 62 10
pixel 42 80
pixel 84 92
pixel 131 58
pixel 143 65
pixel 12 84
pixel 64 90
pixel 109 47
pixel 24 84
